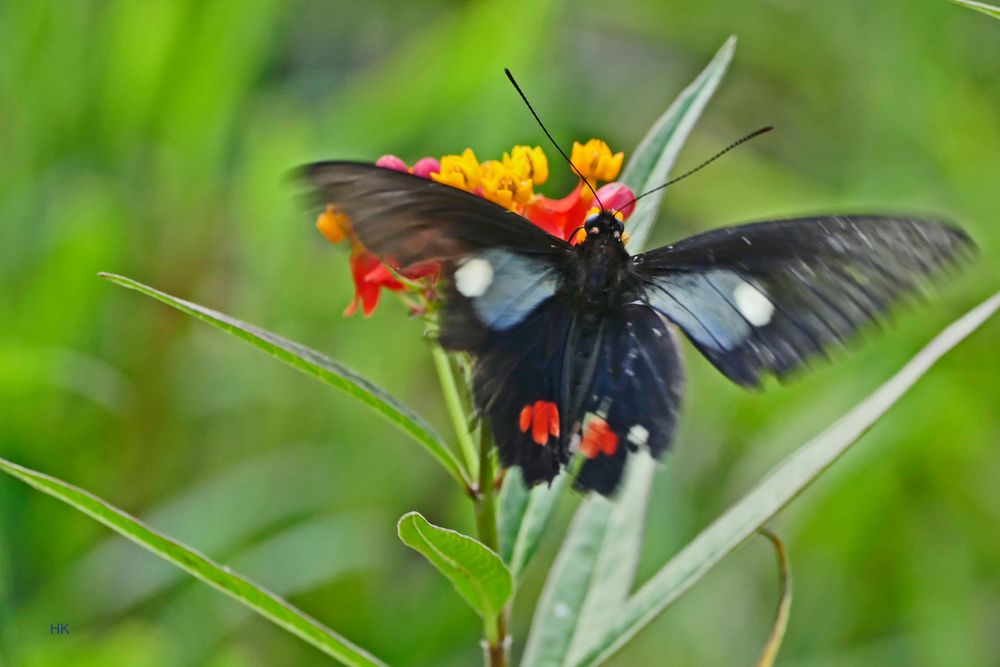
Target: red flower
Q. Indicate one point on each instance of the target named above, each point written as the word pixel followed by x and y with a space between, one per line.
pixel 372 274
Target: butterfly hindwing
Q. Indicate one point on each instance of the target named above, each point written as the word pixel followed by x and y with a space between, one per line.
pixel 765 297
pixel 634 395
pixel 518 385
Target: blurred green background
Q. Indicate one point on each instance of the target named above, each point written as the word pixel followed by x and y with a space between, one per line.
pixel 154 139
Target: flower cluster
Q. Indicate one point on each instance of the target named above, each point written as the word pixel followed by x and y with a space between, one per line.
pixel 509 182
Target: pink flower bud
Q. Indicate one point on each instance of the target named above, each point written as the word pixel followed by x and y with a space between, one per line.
pixel 617 196
pixel 391 162
pixel 426 166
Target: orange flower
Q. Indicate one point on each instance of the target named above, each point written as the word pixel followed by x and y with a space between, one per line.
pixel 595 161
pixel 459 171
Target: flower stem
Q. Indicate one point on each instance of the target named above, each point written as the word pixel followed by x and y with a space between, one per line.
pixel 486 509
pixel 453 402
pixel 497 643
pixel 480 466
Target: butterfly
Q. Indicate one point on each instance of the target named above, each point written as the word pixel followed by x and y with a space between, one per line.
pixel 575 347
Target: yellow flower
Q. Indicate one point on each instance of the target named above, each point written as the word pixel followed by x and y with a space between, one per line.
pixel 528 162
pixel 333 224
pixel 505 185
pixel 595 161
pixel 459 171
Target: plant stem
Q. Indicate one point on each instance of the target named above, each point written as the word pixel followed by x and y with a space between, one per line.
pixel 453 401
pixel 480 467
pixel 486 509
pixel 486 522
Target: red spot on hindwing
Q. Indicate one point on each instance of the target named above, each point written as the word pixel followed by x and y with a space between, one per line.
pixel 541 418
pixel 598 438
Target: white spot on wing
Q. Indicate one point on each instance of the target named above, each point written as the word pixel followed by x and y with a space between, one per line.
pixel 474 277
pixel 754 306
pixel 638 435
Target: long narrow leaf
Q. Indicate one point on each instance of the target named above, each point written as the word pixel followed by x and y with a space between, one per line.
pixel 524 515
pixel 989 10
pixel 559 607
pixel 254 597
pixel 593 574
pixel 786 481
pixel 650 165
pixel 313 363
pixel 618 558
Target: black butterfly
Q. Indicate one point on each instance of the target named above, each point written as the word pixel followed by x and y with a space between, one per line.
pixel 575 347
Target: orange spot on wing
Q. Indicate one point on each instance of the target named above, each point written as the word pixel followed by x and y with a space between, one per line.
pixel 542 419
pixel 540 425
pixel 524 421
pixel 598 439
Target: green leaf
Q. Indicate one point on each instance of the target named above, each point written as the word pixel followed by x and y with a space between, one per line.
pixel 593 573
pixel 777 635
pixel 476 572
pixel 313 363
pixel 652 160
pixel 592 576
pixel 989 10
pixel 782 484
pixel 524 515
pixel 511 507
pixel 263 602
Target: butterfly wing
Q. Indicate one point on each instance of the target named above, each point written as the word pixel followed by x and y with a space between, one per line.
pixel 519 378
pixel 415 220
pixel 498 267
pixel 765 297
pixel 633 398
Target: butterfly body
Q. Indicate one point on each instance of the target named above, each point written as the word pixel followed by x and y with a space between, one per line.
pixel 574 346
pixel 603 265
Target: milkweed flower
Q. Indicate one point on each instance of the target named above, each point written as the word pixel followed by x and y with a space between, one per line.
pixel 510 182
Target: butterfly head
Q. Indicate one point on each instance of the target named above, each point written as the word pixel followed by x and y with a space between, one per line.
pixel 602 225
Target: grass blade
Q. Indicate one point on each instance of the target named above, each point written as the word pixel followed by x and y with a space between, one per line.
pixel 989 10
pixel 654 157
pixel 254 597
pixel 315 364
pixel 782 484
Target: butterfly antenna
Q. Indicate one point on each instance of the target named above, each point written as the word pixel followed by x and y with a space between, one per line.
pixel 547 134
pixel 738 142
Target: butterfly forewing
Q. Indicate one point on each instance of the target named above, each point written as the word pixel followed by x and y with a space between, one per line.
pixel 765 297
pixel 414 220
